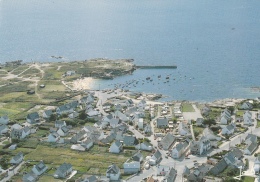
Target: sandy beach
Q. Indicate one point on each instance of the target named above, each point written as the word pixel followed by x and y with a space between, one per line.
pixel 82 84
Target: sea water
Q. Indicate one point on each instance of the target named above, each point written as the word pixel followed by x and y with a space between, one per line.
pixel 215 44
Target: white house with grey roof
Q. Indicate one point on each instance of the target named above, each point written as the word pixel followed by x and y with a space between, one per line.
pixel 179 149
pixel 155 159
pixel 144 146
pixel 3 129
pixel 131 167
pixel 170 175
pixel 63 131
pixel 208 133
pixel 116 147
pixel 59 124
pixel 113 172
pixel 30 177
pixel 4 119
pixel 47 114
pixel 19 132
pixel 33 118
pixel 247 117
pixel 183 129
pixel 229 129
pixel 17 159
pixel 162 122
pixel 167 141
pixel 129 140
pixel 63 170
pixel 250 148
pixel 39 168
pixel 53 137
pixel 246 105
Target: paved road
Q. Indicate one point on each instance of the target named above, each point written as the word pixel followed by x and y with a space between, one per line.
pixel 13 172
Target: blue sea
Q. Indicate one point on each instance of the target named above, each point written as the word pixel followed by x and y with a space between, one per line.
pixel 215 44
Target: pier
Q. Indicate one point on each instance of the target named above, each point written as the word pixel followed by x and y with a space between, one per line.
pixel 156 67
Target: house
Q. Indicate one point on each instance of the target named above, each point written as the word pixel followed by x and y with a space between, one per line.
pixel 205 111
pixel 12 147
pixel 148 129
pixel 162 170
pixel 250 148
pixel 78 136
pixel 129 140
pixel 179 149
pixel 219 167
pixel 30 177
pixel 87 144
pixel 3 129
pixel 142 103
pixel 138 157
pixel 183 129
pixel 200 147
pixel 113 172
pixel 116 147
pixel 33 118
pixel 4 120
pixel 17 159
pixel 53 137
pixel 170 175
pixel 144 146
pixel 47 114
pixel 162 122
pixel 208 133
pixel 199 121
pixel 246 106
pixel 140 123
pixel 73 115
pixel 88 99
pixel 257 165
pixel 114 122
pixel 67 108
pixel 167 141
pixel 120 115
pixel 132 167
pixel 59 124
pixel 247 116
pixel 63 131
pixel 39 168
pixel 250 138
pixel 224 120
pixel 107 118
pixel 19 133
pixel 63 170
pixel 155 159
pixel 229 129
pixel 232 160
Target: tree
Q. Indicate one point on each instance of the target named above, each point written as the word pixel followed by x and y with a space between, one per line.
pixel 209 122
pixel 53 117
pixel 231 109
pixel 82 115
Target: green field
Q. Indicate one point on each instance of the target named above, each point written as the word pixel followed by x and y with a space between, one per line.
pixel 187 107
pixel 197 130
pixel 248 179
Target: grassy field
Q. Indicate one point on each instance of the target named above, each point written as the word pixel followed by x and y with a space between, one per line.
pixel 248 179
pixel 197 130
pixel 240 113
pixel 187 107
pixel 258 124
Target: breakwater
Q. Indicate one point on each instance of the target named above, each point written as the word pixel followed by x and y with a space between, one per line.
pixel 156 67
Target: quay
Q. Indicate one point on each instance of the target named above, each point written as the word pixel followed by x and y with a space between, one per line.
pixel 157 67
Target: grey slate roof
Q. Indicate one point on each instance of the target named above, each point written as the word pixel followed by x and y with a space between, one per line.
pixel 63 168
pixel 113 169
pixel 171 175
pixel 219 167
pixel 33 116
pixel 162 122
pixel 167 141
pixel 30 177
pixel 157 154
pixel 137 156
pixel 129 140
